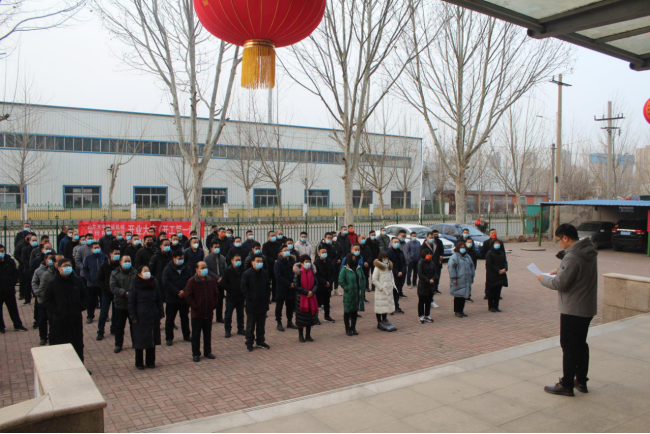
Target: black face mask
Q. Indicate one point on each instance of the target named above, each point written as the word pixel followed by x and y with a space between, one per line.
pixel 149 244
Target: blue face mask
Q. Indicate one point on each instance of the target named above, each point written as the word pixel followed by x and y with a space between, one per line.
pixel 497 246
pixel 180 261
pixel 49 262
pixel 116 258
pixel 83 243
pixel 465 235
pixel 385 262
pixel 2 255
pixel 328 241
pixel 46 251
pixel 251 237
pixel 259 265
pixel 67 271
pixel 89 242
pixel 303 240
pixel 357 253
pixel 120 237
pixel 344 232
pixel 257 251
pixel 373 237
pixel 216 251
pixel 109 233
pixel 136 242
pixel 383 232
pixel 307 265
pixel 128 237
pixel 280 236
pixel 430 240
pixel 229 235
pixel 166 249
pixel 290 246
pixel 463 250
pixel 286 254
pixel 126 265
pixel 203 272
pixel 26 229
pixel 396 246
pixel 76 237
pixel 237 264
pixel 34 243
pixel 274 239
pixel 362 242
pixel 237 244
pixel 323 255
pixel 97 251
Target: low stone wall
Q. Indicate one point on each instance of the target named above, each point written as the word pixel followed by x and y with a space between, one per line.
pixel 625 296
pixel 67 399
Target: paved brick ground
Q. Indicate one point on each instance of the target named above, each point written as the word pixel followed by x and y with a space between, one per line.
pixel 180 390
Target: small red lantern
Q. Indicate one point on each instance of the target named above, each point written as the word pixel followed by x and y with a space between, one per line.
pixel 646 111
pixel 260 26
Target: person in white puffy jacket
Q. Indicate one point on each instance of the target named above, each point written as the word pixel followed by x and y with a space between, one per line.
pixel 384 283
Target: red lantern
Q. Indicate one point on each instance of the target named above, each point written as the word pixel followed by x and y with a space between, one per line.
pixel 260 26
pixel 646 111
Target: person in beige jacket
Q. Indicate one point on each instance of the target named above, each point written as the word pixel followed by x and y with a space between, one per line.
pixel 384 283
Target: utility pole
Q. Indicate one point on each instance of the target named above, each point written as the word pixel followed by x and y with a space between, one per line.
pixel 557 195
pixel 270 106
pixel 551 223
pixel 610 147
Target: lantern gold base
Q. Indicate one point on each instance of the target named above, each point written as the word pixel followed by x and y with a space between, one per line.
pixel 258 65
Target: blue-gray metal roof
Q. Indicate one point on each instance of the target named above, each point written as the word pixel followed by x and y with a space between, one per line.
pixel 602 202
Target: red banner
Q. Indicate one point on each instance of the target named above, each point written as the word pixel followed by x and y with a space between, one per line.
pixel 139 227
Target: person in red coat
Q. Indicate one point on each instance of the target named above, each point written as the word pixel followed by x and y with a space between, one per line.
pixel 201 294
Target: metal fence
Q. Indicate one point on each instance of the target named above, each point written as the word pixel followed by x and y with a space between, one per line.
pixel 505 224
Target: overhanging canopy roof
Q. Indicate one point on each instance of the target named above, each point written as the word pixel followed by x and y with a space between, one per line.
pixel 618 28
pixel 602 202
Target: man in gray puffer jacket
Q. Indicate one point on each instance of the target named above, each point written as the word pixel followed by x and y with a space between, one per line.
pixel 576 282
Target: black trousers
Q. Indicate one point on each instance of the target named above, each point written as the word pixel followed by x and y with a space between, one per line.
pixel 412 273
pixel 399 282
pixel 350 320
pixel 396 298
pixel 494 294
pixel 149 353
pixel 201 326
pixel 8 297
pixel 25 288
pixel 273 282
pixel 220 299
pixel 69 334
pixel 381 317
pixel 372 270
pixel 424 305
pixel 366 273
pixel 459 304
pixel 121 316
pixel 93 293
pixel 324 296
pixel 42 319
pixel 255 325
pixel 290 307
pixel 231 306
pixel 573 340
pixel 183 311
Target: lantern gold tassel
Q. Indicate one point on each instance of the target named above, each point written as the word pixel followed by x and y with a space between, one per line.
pixel 258 65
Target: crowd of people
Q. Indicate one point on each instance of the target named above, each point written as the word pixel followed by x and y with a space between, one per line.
pixel 147 281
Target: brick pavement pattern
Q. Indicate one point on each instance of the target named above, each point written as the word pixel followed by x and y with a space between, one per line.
pixel 179 389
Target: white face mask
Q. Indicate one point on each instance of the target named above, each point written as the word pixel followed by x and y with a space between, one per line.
pixel 195 245
pixel 146 275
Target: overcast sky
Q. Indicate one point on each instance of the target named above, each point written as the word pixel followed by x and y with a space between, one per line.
pixel 78 66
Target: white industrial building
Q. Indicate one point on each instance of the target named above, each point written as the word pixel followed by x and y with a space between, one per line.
pixel 78 146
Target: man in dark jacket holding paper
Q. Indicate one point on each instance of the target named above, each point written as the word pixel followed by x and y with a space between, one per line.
pixel 576 282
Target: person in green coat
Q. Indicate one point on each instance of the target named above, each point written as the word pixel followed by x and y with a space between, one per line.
pixel 353 282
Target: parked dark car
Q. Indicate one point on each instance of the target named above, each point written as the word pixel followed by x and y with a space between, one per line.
pixel 454 232
pixel 630 233
pixel 599 232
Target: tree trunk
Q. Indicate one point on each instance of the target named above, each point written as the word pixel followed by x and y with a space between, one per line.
pixel 441 206
pixel 197 184
pixel 23 205
pixel 404 197
pixel 110 198
pixel 381 204
pixel 461 192
pixel 520 210
pixel 277 194
pixel 248 203
pixel 348 184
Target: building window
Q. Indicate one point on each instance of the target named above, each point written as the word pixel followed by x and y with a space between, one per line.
pixel 498 204
pixel 82 197
pixel 265 197
pixel 470 202
pixel 397 199
pixel 318 198
pixel 356 197
pixel 9 196
pixel 213 197
pixel 150 196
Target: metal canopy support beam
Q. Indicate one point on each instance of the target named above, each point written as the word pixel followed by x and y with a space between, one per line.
pixel 536 27
pixel 595 15
pixel 622 35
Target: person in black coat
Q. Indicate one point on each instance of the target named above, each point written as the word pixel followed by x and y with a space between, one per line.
pixel 106 242
pixel 104 281
pixel 427 275
pixel 326 277
pixel 247 245
pixel 9 275
pixel 175 243
pixel 131 250
pixel 255 253
pixel 194 254
pixel 231 284
pixel 271 249
pixel 434 245
pixel 20 235
pixel 69 247
pixel 159 261
pixel 237 249
pixel 396 256
pixel 372 242
pixel 255 288
pixel 285 291
pixel 145 311
pixel 344 241
pixel 144 255
pixel 496 268
pixel 487 246
pixel 471 252
pixel 25 281
pixel 66 299
pixel 174 279
pixel 61 235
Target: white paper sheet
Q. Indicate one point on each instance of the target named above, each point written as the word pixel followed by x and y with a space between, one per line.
pixel 536 271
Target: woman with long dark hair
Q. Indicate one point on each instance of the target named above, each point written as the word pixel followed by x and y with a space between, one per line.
pixel 145 311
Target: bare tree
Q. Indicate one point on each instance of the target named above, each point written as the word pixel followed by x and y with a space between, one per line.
pixel 519 142
pixel 179 178
pixel 309 175
pixel 469 74
pixel 406 176
pixel 244 166
pixel 26 164
pixel 376 171
pixel 166 39
pixel 123 151
pixel 21 16
pixel 434 177
pixel 358 42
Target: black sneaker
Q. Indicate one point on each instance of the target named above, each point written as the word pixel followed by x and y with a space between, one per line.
pixel 196 358
pixel 399 310
pixel 210 356
pixel 117 350
pixel 151 366
pixel 20 329
pixel 100 336
pixel 169 342
pixel 329 319
pixel 492 310
pixel 265 346
pixel 89 320
pixel 280 328
pixel 43 342
pixel 140 367
pixel 249 348
pixel 228 334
